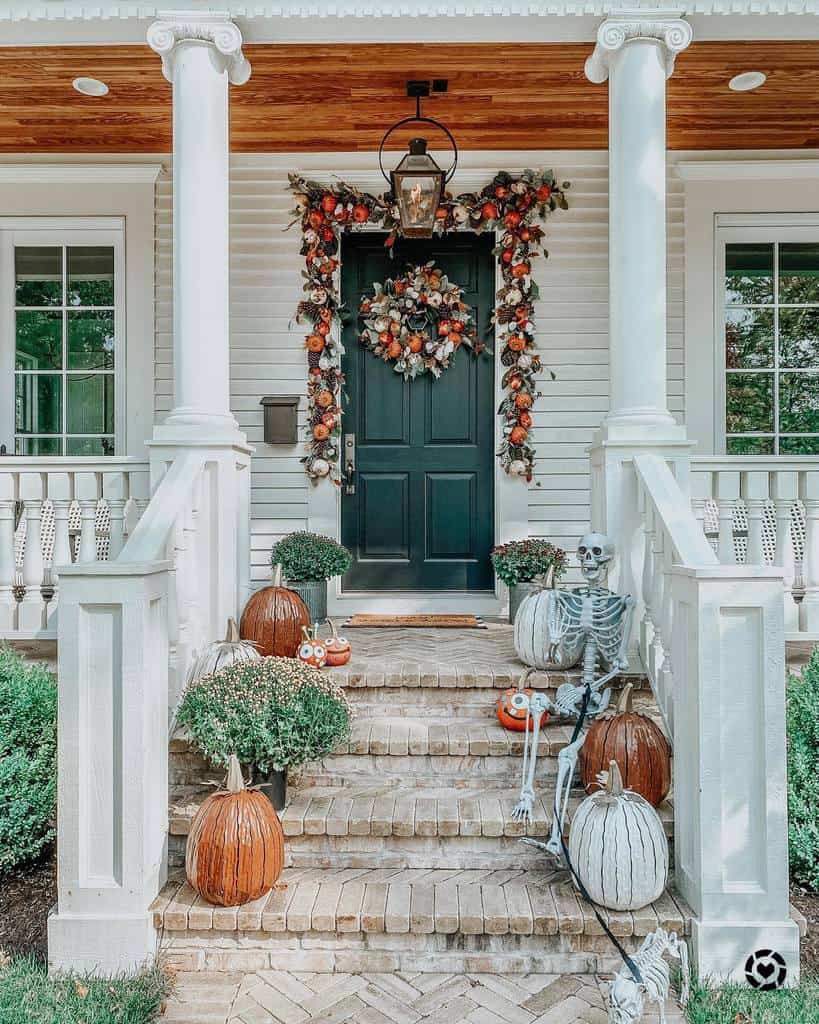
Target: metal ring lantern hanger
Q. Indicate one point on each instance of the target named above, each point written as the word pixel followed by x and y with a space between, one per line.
pixel 419 119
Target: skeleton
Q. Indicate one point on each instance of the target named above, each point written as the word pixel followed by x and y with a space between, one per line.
pixel 627 996
pixel 589 622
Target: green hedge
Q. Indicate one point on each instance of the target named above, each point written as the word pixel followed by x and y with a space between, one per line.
pixel 28 759
pixel 803 773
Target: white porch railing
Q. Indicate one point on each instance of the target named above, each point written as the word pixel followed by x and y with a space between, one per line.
pixel 713 644
pixel 56 511
pixel 128 628
pixel 758 511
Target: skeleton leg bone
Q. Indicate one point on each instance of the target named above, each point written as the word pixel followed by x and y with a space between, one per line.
pixel 567 762
pixel 538 703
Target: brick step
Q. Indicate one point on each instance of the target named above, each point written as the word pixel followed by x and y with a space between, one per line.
pixel 420 920
pixel 390 826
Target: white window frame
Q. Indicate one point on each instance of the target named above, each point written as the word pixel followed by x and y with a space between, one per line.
pixel 766 228
pixel 62 231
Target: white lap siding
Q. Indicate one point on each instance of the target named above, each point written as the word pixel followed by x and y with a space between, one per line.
pixel 267 353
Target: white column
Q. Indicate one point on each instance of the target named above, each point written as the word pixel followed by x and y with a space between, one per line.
pixel 636 55
pixel 201 54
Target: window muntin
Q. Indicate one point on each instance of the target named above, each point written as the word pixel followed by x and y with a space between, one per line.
pixel 65 349
pixel 771 339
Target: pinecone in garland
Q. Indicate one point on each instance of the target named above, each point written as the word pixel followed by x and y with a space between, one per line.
pixel 509 358
pixel 313 359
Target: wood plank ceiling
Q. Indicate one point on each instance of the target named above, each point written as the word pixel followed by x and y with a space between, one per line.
pixel 314 98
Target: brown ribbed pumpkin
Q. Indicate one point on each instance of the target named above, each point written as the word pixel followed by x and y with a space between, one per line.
pixel 273 619
pixel 636 743
pixel 235 850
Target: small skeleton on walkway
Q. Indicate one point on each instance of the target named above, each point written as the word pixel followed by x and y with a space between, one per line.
pixel 588 622
pixel 627 996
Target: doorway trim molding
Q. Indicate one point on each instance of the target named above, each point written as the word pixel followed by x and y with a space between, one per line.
pixel 511 519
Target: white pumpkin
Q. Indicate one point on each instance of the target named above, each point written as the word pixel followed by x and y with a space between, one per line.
pixel 532 635
pixel 222 653
pixel 618 846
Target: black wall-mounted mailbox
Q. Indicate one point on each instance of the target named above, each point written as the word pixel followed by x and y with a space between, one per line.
pixel 280 418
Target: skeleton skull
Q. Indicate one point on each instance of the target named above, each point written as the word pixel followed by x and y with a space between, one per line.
pixel 626 1001
pixel 594 552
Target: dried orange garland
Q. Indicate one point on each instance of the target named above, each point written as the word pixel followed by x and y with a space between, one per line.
pixel 514 207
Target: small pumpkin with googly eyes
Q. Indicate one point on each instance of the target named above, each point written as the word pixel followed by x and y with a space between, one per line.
pixel 339 648
pixel 311 649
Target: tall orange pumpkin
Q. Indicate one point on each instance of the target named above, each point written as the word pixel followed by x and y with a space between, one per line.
pixel 235 850
pixel 636 743
pixel 273 619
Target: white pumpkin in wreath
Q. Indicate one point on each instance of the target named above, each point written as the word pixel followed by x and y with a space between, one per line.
pixel 618 847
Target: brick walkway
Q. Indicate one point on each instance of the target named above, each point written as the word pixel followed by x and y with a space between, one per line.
pixel 281 997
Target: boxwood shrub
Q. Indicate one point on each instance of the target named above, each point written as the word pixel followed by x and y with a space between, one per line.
pixel 28 759
pixel 803 773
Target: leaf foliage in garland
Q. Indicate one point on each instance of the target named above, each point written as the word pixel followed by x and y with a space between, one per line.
pixel 514 206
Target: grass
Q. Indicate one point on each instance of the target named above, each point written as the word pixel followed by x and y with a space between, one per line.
pixel 736 1004
pixel 29 996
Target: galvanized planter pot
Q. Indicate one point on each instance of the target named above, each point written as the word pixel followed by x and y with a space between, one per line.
pixel 273 784
pixel 517 595
pixel 314 595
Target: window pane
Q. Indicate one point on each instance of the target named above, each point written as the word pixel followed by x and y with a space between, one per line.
pixel 90 341
pixel 799 272
pixel 38 446
pixel 799 337
pixel 90 275
pixel 38 403
pixel 90 403
pixel 750 446
pixel 39 341
pixel 749 273
pixel 799 402
pixel 38 275
pixel 799 445
pixel 749 339
pixel 749 404
pixel 89 446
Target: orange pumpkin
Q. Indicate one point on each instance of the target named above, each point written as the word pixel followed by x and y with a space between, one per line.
pixel 323 329
pixel 395 349
pixel 311 650
pixel 321 432
pixel 235 849
pixel 523 400
pixel 517 343
pixel 339 648
pixel 518 435
pixel 512 717
pixel 328 419
pixel 273 618
pixel 544 193
pixel 525 420
pixel 328 203
pixel 324 399
pixel 315 343
pixel 455 338
pixel 416 343
pixel 315 219
pixel 636 743
pixel 361 213
pixel 520 270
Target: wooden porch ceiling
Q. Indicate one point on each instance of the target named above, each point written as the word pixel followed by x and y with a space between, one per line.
pixel 319 97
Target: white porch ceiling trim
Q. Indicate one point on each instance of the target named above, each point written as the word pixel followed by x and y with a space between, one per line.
pixel 73 174
pixel 748 170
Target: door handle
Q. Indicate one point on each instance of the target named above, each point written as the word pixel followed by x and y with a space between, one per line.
pixel 349 463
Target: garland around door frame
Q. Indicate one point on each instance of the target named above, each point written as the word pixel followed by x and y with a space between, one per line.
pixel 512 205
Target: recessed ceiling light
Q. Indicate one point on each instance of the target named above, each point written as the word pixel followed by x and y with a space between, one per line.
pixel 90 86
pixel 747 80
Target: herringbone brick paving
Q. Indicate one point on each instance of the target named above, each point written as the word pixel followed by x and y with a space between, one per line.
pixel 283 997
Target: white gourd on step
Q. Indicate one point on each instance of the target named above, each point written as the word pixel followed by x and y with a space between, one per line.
pixel 222 653
pixel 534 633
pixel 618 846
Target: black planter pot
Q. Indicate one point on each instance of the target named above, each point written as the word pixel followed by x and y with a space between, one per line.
pixel 273 784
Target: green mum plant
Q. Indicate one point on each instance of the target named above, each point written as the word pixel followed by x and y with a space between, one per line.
pixel 306 557
pixel 520 561
pixel 803 773
pixel 276 713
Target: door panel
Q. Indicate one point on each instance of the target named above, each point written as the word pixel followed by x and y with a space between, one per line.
pixel 422 515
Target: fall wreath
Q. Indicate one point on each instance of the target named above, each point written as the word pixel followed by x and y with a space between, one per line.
pixel 418 322
pixel 513 206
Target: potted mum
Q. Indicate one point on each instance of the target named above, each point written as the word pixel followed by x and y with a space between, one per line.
pixel 520 562
pixel 308 561
pixel 274 714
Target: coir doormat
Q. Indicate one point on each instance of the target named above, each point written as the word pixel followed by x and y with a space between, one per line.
pixel 415 622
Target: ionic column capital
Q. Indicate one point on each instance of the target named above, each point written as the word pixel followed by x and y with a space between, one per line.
pixel 664 27
pixel 214 28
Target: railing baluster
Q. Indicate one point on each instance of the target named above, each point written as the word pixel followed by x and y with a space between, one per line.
pixel 32 607
pixel 785 492
pixel 87 494
pixel 647 625
pixel 60 494
pixel 115 493
pixel 726 495
pixel 657 596
pixel 755 494
pixel 8 602
pixel 809 608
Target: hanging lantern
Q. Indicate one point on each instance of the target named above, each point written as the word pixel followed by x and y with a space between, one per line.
pixel 417 183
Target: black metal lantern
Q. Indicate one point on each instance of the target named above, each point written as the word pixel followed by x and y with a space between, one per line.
pixel 417 183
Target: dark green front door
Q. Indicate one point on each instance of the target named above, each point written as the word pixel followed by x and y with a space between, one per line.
pixel 422 514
